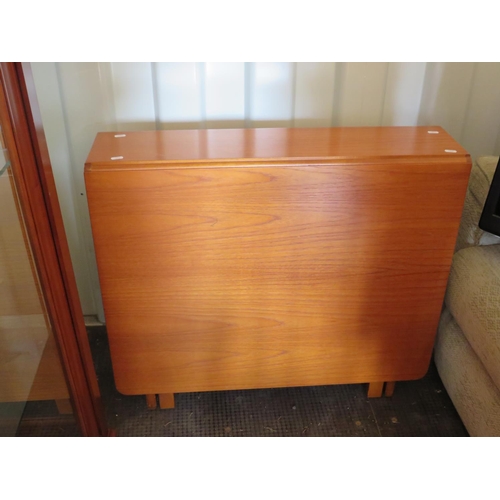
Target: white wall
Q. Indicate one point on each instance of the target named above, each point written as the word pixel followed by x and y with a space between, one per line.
pixel 78 100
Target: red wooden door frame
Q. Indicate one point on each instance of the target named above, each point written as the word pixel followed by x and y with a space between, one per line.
pixel 36 188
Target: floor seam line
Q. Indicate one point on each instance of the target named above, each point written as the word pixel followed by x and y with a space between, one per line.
pixel 375 417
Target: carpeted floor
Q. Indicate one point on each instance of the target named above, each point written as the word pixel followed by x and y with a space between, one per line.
pixel 418 408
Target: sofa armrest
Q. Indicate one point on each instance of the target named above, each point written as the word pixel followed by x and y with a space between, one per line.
pixel 469 233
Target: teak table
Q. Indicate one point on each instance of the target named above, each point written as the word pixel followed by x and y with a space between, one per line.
pixel 256 258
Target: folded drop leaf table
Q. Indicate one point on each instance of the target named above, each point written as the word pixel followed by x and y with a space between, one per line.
pixel 257 258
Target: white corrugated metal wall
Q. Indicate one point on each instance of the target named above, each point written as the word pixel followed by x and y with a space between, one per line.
pixel 78 100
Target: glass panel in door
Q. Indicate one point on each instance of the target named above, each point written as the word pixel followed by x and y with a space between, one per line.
pixel 34 397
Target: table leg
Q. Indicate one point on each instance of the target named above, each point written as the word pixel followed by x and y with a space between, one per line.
pixel 375 389
pixel 166 400
pixel 151 401
pixel 389 388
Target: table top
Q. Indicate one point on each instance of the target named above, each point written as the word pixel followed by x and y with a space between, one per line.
pixel 219 147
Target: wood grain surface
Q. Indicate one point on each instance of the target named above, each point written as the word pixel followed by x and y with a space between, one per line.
pixel 217 278
pixel 193 148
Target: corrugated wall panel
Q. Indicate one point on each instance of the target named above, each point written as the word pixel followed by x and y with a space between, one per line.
pixel 482 119
pixel 314 91
pixel 270 94
pixel 80 99
pixel 87 110
pixel 361 94
pixel 225 95
pixel 446 96
pixel 403 93
pixel 178 93
pixel 133 97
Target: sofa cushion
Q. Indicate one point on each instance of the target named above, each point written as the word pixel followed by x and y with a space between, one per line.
pixel 480 182
pixel 481 176
pixel 473 298
pixel 474 395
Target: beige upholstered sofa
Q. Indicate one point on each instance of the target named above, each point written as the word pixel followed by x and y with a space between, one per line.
pixel 467 350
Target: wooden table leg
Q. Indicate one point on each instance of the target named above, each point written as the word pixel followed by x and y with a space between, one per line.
pixel 389 388
pixel 151 401
pixel 375 389
pixel 166 400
